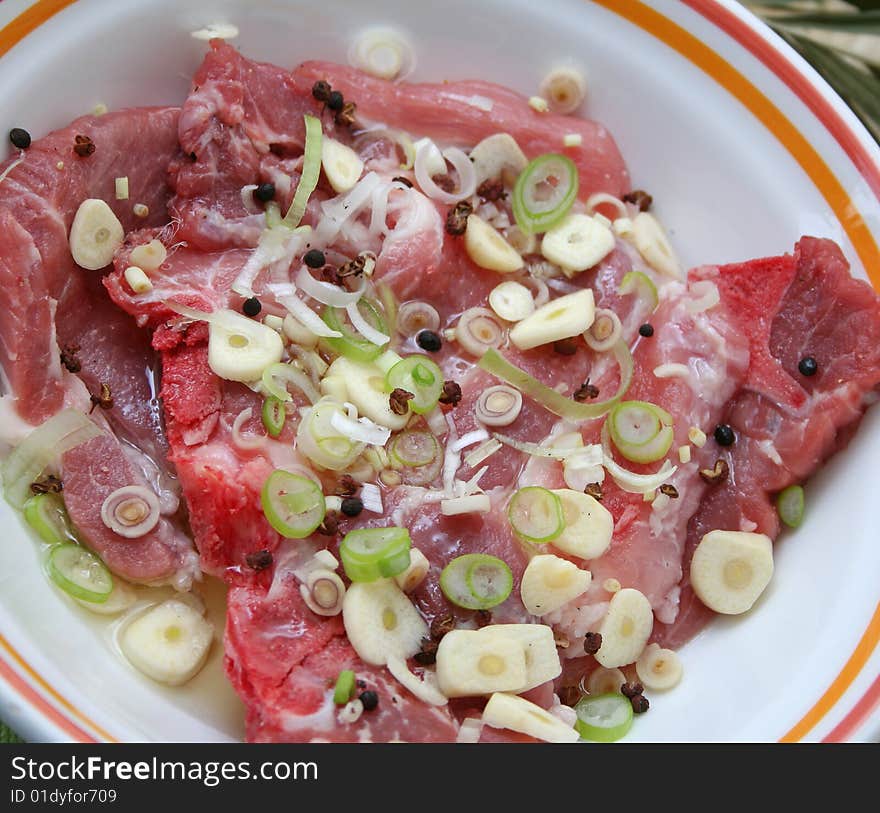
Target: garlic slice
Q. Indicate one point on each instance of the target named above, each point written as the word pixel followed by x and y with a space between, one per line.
pixel 95 235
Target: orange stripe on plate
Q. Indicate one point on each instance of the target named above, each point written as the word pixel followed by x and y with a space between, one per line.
pixel 767 113
pixel 41 702
pixel 28 20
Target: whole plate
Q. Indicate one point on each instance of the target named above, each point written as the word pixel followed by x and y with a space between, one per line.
pixel 744 149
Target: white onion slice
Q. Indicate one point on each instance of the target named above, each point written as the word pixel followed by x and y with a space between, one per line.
pixel 462 489
pixel 482 452
pixel 469 439
pixel 247 199
pixel 362 430
pixel 363 327
pixel 467 176
pixel 275 245
pixel 707 295
pixel 131 511
pixel 339 210
pixel 41 448
pixel 326 293
pixel 247 442
pixel 371 497
pixel 630 481
pixel 473 503
pixel 603 197
pixel 304 314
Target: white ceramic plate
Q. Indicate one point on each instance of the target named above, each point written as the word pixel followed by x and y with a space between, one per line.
pixel 744 149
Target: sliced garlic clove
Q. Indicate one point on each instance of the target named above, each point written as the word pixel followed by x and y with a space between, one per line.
pixel 240 349
pixel 342 165
pixel 512 301
pixel 561 318
pixel 366 389
pixel 549 582
pixel 652 243
pixel 498 156
pixel 659 669
pixel 588 525
pixel 415 574
pixel 488 248
pixel 149 256
pixel 625 629
pixel 518 714
pixel 168 643
pixel 95 235
pixel 539 645
pixel 381 621
pixel 731 569
pixel 470 663
pixel 579 242
pixel 425 688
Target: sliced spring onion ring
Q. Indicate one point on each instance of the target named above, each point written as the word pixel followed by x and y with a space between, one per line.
pixel 790 504
pixel 79 573
pixel 349 343
pixel 46 514
pixel 420 376
pixel 320 442
pixel 478 330
pixel 605 331
pixel 545 191
pixel 294 505
pixel 274 416
pixel 476 581
pixel 246 441
pixel 600 198
pixel 311 171
pixel 640 284
pixel 498 406
pixel 280 372
pixel 536 514
pixel 630 481
pixel 414 448
pixel 344 688
pixel 604 718
pixel 40 449
pixel 493 362
pixel 641 431
pixel 414 317
pixel 374 553
pixel 326 293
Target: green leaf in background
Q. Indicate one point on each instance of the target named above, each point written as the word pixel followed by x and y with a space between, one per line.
pixel 841 40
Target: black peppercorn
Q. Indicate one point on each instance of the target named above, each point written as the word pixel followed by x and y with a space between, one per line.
pixel 21 139
pixel 314 258
pixel 724 435
pixel 369 699
pixel 335 101
pixel 428 340
pixel 265 192
pixel 808 366
pixel 321 90
pixel 646 330
pixel 251 307
pixel 352 506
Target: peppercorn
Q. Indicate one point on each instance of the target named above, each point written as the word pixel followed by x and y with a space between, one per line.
pixel 335 101
pixel 347 486
pixel 370 700
pixel 321 90
pixel 83 146
pixel 346 116
pixel 646 330
pixel 428 653
pixel 585 392
pixel 592 643
pixel 104 400
pixel 441 625
pixel 259 560
pixel 399 400
pixel 69 358
pixel 429 340
pixel 569 695
pixel 352 506
pixel 49 484
pixel 265 192
pixel 483 618
pixel 21 139
pixel 669 490
pixel 451 393
pixel 491 190
pixel 640 198
pixel 330 524
pixel 724 435
pixel 715 475
pixel 631 689
pixel 314 258
pixel 457 218
pixel 594 490
pixel 251 307
pixel 640 703
pixel 808 366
